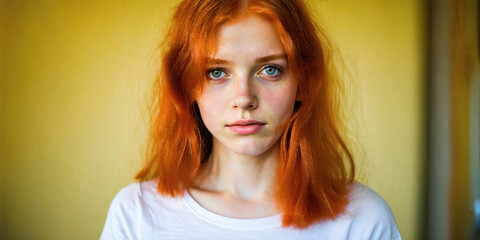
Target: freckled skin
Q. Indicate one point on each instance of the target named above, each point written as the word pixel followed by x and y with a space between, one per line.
pixel 247 92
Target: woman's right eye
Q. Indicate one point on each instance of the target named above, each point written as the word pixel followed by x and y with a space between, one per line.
pixel 216 74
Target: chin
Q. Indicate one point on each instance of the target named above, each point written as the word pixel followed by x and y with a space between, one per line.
pixel 249 152
pixel 251 148
pixel 247 146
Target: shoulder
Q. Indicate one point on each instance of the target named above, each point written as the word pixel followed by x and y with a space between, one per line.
pixel 365 200
pixel 130 196
pixel 127 194
pixel 370 214
pixel 125 211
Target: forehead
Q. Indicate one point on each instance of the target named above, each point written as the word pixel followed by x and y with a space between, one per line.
pixel 247 36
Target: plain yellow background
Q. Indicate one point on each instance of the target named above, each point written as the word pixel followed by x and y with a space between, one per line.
pixel 74 80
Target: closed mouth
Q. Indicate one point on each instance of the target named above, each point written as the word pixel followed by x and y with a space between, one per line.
pixel 246 127
pixel 245 123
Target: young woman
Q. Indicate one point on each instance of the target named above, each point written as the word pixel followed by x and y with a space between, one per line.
pixel 247 139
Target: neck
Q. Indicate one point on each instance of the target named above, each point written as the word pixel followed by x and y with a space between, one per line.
pixel 240 176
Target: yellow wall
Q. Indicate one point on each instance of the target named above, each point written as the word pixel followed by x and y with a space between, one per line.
pixel 3 30
pixel 72 96
pixel 384 44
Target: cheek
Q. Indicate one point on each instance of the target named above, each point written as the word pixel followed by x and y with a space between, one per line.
pixel 281 101
pixel 211 96
pixel 205 111
pixel 210 106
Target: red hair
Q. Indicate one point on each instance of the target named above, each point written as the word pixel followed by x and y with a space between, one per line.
pixel 312 177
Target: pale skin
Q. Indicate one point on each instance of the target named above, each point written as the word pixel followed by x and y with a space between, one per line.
pixel 248 80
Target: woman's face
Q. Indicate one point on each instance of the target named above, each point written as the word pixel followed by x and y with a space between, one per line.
pixel 249 89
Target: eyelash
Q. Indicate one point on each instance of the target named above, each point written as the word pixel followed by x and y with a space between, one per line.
pixel 278 70
pixel 211 77
pixel 224 74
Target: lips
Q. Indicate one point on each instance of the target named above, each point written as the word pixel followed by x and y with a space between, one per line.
pixel 245 127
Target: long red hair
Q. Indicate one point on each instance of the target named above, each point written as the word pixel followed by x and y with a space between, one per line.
pixel 312 176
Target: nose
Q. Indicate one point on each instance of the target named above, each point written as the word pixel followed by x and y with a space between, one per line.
pixel 245 97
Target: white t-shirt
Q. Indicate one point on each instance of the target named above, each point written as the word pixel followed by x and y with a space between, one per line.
pixel 138 211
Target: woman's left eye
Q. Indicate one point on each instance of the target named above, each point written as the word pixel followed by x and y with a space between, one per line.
pixel 270 71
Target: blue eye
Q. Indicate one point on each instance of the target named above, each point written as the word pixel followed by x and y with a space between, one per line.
pixel 270 71
pixel 216 74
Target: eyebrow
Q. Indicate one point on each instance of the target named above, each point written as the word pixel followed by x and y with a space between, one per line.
pixel 258 60
pixel 270 58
